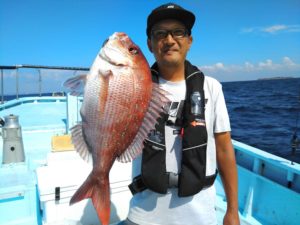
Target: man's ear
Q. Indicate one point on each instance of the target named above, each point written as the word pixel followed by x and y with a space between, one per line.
pixel 149 45
pixel 190 41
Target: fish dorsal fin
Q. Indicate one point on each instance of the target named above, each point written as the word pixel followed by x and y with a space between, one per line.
pixel 76 84
pixel 79 142
pixel 156 107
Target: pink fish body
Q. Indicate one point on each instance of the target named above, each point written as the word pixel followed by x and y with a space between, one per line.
pixel 120 107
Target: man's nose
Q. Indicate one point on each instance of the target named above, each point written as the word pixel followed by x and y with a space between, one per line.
pixel 169 38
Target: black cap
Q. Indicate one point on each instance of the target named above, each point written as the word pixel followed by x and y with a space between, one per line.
pixel 170 11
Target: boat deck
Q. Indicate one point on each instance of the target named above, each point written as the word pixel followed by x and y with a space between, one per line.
pixel 40 118
pixel 37 113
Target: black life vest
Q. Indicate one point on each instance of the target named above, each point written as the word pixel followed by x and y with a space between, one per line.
pixel 192 177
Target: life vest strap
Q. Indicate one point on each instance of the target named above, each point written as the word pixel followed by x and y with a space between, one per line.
pixel 138 185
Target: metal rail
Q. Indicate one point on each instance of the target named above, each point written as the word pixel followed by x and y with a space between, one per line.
pixel 43 67
pixel 39 67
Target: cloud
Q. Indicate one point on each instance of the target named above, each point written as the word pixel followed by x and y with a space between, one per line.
pixel 274 29
pixel 58 75
pixel 284 68
pixel 10 74
pixel 268 64
pixel 28 80
pixel 33 74
pixel 287 61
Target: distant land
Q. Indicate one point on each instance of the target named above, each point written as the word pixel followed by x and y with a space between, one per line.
pixel 276 78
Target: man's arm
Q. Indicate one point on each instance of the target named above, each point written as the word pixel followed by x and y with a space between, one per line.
pixel 228 172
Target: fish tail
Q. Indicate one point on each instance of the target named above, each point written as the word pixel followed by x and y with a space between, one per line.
pixel 97 189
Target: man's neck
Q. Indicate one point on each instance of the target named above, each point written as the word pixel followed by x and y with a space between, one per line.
pixel 173 74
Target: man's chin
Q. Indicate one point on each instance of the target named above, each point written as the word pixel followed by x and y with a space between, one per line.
pixel 171 62
pixel 173 59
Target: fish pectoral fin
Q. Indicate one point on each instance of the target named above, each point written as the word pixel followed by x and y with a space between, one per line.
pixel 103 95
pixel 105 73
pixel 79 142
pixel 157 106
pixel 76 84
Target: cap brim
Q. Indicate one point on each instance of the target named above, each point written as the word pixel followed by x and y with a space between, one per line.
pixel 185 17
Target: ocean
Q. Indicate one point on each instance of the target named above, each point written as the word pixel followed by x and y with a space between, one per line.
pixel 265 114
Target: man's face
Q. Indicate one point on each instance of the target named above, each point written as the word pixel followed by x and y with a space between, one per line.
pixel 169 42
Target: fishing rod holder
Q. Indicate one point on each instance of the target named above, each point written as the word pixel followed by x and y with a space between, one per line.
pixel 13 148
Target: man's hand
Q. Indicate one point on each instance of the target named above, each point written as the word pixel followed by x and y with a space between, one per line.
pixel 231 218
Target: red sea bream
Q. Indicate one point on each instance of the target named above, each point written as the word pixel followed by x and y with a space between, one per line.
pixel 120 106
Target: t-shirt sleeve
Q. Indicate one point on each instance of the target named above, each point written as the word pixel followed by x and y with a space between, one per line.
pixel 221 122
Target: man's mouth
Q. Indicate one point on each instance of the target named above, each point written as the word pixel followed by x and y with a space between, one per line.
pixel 169 50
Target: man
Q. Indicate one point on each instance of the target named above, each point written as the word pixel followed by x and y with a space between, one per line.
pixel 175 175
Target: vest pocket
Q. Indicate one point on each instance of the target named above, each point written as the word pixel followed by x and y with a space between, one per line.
pixel 193 171
pixel 193 167
pixel 154 167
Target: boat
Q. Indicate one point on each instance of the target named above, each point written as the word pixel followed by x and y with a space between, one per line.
pixel 40 170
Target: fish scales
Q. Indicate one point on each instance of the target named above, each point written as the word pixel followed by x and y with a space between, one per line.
pixel 120 116
pixel 120 106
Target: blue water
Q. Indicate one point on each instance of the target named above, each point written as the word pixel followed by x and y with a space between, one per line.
pixel 264 113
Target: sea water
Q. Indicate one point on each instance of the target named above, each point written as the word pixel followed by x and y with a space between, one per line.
pixel 265 113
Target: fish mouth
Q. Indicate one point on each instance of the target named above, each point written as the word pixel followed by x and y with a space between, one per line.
pixel 104 56
pixel 118 50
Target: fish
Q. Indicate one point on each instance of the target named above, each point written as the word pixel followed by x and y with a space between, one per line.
pixel 120 107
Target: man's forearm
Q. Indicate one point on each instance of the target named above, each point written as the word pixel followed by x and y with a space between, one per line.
pixel 227 168
pixel 228 175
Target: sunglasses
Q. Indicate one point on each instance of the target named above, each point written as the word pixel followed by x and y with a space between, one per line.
pixel 175 33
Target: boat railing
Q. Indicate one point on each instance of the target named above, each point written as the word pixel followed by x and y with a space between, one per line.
pixel 282 171
pixel 24 100
pixel 40 86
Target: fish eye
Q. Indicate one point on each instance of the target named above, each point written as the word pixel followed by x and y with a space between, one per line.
pixel 133 50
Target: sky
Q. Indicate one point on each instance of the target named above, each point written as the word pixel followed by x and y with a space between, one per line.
pixel 233 40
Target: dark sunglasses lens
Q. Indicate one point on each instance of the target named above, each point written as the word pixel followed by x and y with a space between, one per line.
pixel 176 33
pixel 159 34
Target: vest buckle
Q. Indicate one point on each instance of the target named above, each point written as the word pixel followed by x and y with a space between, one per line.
pixel 173 180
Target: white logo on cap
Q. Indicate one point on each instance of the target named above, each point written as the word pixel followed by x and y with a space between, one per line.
pixel 170 6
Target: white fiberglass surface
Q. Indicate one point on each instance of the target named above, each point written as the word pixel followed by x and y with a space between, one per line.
pixel 38 115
